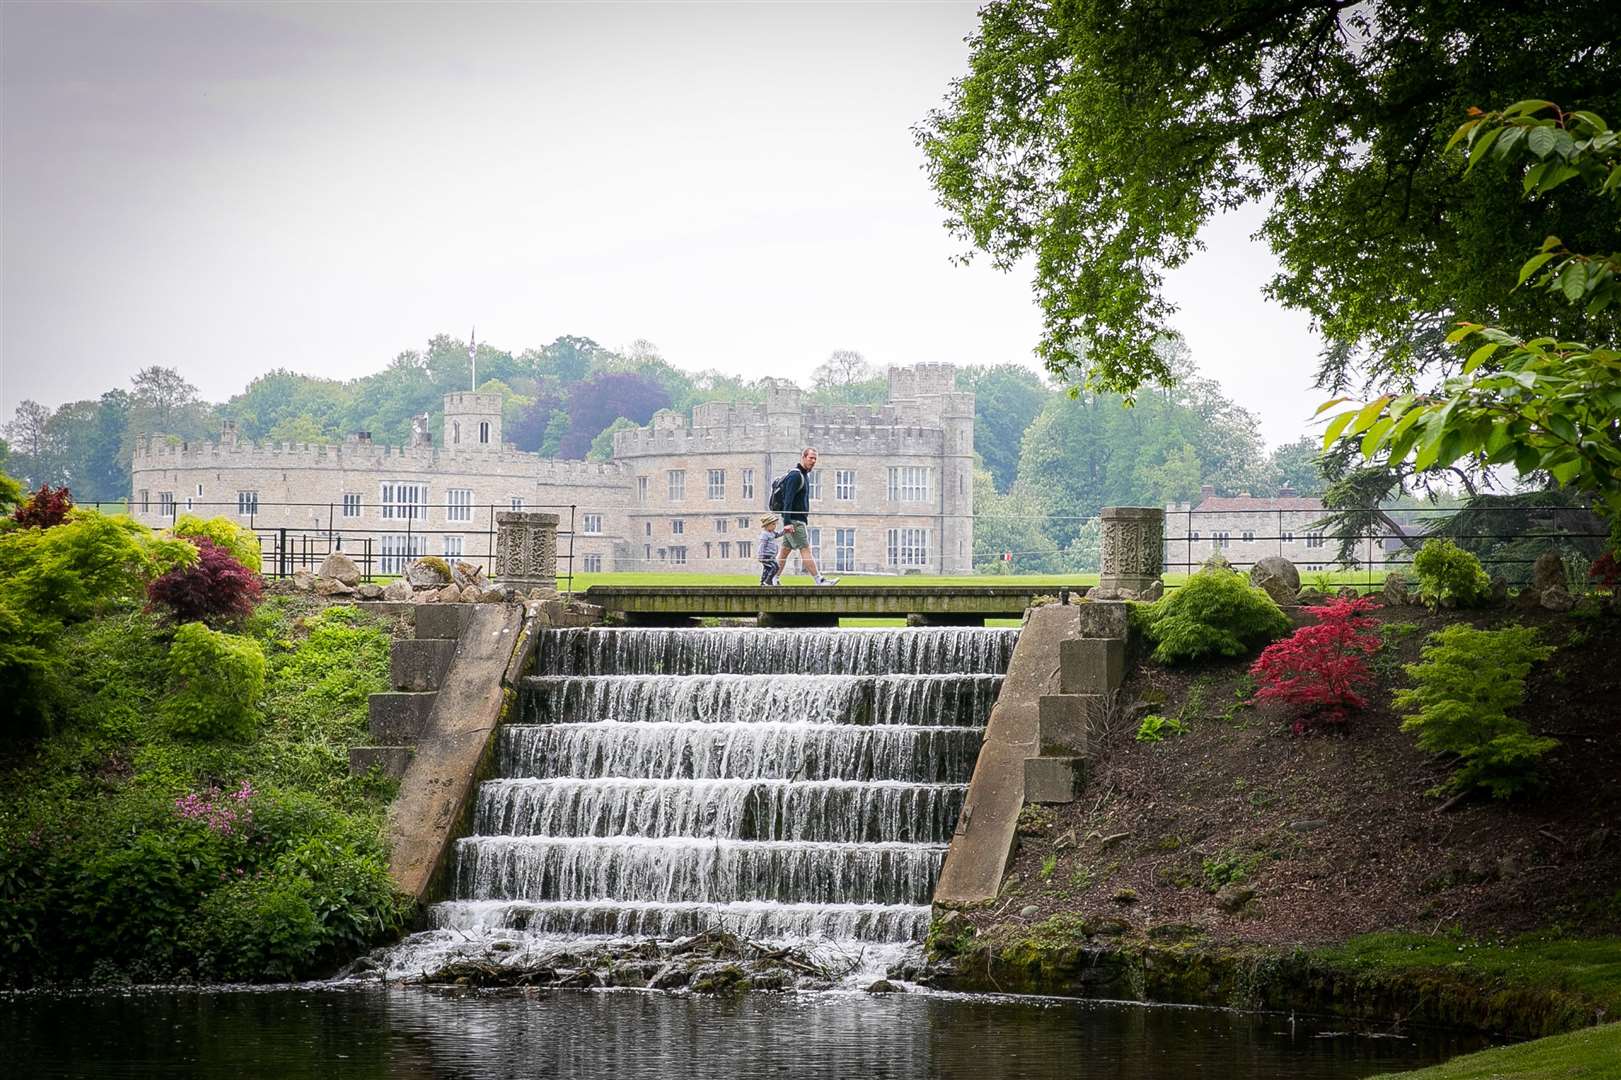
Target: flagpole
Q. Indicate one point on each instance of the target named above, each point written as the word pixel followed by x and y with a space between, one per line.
pixel 472 356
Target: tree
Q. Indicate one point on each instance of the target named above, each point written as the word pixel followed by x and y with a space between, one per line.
pixel 1541 404
pixel 29 436
pixel 1296 466
pixel 602 447
pixel 1096 138
pixel 1012 524
pixel 1007 398
pixel 164 396
pixel 598 401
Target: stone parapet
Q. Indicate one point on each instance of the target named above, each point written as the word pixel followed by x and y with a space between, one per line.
pixel 526 550
pixel 1133 552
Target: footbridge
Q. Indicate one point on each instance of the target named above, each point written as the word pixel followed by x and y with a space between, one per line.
pixel 943 605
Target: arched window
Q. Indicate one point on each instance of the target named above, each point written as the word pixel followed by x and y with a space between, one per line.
pixel 484 431
pixel 455 431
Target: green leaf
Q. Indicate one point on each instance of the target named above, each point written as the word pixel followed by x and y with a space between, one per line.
pixel 1511 138
pixel 1556 176
pixel 1463 330
pixel 1480 146
pixel 1325 406
pixel 1573 280
pixel 1562 427
pixel 1370 412
pixel 1528 106
pixel 1566 471
pixel 1533 264
pixel 1457 136
pixel 1335 426
pixel 1370 441
pixel 1542 139
pixel 1479 356
pixel 1591 119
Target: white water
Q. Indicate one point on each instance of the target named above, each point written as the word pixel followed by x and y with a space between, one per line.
pixel 797 786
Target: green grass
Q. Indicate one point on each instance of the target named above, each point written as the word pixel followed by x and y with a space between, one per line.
pixel 1590 1054
pixel 1589 967
pixel 1056 581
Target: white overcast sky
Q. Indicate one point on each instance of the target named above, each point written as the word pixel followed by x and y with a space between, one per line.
pixel 231 188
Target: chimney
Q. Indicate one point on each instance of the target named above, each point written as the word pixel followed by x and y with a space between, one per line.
pixel 1286 492
pixel 1206 490
pixel 228 432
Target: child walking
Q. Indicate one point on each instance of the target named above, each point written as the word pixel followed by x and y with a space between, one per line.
pixel 770 532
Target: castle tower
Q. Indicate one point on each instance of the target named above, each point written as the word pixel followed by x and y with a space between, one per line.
pixel 472 421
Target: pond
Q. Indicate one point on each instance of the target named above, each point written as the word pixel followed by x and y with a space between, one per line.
pixel 330 1031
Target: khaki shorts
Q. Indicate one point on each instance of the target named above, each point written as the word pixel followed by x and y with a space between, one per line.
pixel 797 538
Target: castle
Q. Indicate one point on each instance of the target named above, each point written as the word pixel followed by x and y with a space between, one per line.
pixel 893 492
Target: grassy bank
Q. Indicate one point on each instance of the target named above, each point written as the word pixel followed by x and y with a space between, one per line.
pixel 130 852
pixel 1591 1054
pixel 1336 578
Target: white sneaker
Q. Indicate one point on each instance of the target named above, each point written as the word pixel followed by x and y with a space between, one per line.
pixel 827 581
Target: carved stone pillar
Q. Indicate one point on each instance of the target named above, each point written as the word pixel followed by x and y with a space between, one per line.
pixel 526 550
pixel 1133 553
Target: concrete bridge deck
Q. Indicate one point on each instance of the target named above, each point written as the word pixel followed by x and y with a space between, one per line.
pixel 793 604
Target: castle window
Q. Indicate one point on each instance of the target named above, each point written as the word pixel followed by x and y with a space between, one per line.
pixel 678 526
pixel 1314 539
pixel 459 504
pixel 745 549
pixel 743 523
pixel 483 431
pixel 199 491
pixel 517 503
pixel 166 504
pixel 709 550
pixel 453 547
pixel 146 500
pixel 814 487
pixel 647 552
pixel 647 528
pixel 351 504
pixel 456 432
pixel 188 504
pixel 721 524
pixel 247 503
pixel 593 524
pixel 816 544
pixel 726 549
pixel 398 549
pixel 748 483
pixel 1288 536
pixel 717 483
pixel 593 564
pixel 1248 536
pixel 908 547
pixel 908 483
pixel 405 502
pixel 678 555
pixel 844 484
pixel 641 490
pixel 1222 537
pixel 677 484
pixel 844 549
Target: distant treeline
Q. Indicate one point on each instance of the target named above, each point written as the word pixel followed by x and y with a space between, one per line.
pixel 1049 460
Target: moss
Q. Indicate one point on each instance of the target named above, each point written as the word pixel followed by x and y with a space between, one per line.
pixel 437 565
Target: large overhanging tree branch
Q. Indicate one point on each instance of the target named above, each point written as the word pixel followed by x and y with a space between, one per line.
pixel 1095 138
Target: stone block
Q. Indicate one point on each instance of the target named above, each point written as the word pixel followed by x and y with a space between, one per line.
pixel 442 622
pixel 398 717
pixel 393 760
pixel 421 663
pixel 1103 619
pixel 1054 779
pixel 1092 665
pixel 1063 720
pixel 340 566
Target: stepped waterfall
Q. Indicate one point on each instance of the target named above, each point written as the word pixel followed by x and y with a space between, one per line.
pixel 795 786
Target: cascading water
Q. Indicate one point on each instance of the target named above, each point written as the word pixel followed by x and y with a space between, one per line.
pixel 795 786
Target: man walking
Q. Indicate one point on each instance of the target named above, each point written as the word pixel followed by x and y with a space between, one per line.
pixel 796 518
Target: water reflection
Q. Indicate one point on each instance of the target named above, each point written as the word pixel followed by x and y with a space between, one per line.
pixel 409 1032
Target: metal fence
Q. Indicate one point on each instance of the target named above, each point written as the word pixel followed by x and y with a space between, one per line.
pixel 380 550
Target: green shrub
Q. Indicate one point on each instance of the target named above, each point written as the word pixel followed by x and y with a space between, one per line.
pixel 83 567
pixel 217 679
pixel 1449 576
pixel 25 676
pixel 240 542
pixel 1155 728
pixel 1217 613
pixel 1467 681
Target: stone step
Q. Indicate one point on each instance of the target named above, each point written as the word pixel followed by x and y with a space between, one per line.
pixel 1054 778
pixel 392 760
pixel 442 620
pixel 400 717
pixel 420 664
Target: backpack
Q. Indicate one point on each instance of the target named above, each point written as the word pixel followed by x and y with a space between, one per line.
pixel 774 500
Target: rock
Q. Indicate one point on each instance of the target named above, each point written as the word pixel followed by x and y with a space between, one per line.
pixel 470 594
pixel 1528 598
pixel 883 986
pixel 1125 896
pixel 1277 577
pixel 1175 931
pixel 538 593
pixel 369 590
pixel 493 596
pixel 1307 825
pixel 465 574
pixel 948 920
pixel 1556 598
pixel 340 566
pixel 1508 866
pixel 329 586
pixel 1548 571
pixel 1029 911
pixel 773 980
pixel 1499 590
pixel 397 591
pixel 719 979
pixel 670 977
pixel 450 594
pixel 1348 592
pixel 1154 591
pixel 1216 561
pixel 427 573
pixel 1309 595
pixel 303 581
pixel 1232 898
pixel 1395 592
pixel 1108 927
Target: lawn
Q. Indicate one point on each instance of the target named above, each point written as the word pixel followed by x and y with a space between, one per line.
pixel 1359 578
pixel 1592 1054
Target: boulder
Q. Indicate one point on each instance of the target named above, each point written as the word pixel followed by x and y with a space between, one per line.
pixel 303 581
pixel 1499 590
pixel 882 986
pixel 471 594
pixel 428 573
pixel 1557 598
pixel 1547 571
pixel 493 596
pixel 1528 598
pixel 450 594
pixel 1029 911
pixel 397 591
pixel 369 590
pixel 1232 898
pixel 330 586
pixel 1348 592
pixel 1277 577
pixel 340 566
pixel 1395 592
pixel 465 574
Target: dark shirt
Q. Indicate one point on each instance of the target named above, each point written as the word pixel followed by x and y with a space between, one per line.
pixel 796 496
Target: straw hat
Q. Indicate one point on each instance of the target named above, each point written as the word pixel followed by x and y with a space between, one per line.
pixel 767 520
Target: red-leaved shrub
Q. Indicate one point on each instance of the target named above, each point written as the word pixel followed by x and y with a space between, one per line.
pixel 214 589
pixel 1606 571
pixel 46 507
pixel 1321 669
